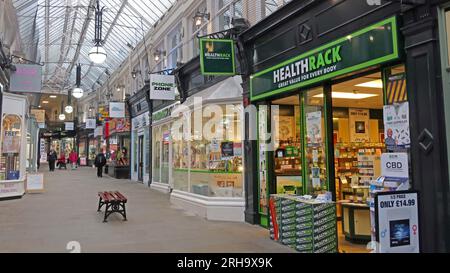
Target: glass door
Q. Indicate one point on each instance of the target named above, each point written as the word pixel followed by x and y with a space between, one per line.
pixel 141 158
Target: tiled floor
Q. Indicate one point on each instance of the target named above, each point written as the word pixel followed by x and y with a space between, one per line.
pixel 66 212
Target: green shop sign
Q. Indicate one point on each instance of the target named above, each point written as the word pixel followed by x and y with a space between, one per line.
pixel 217 57
pixel 368 47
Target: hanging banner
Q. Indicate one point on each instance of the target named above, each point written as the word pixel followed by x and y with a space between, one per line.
pixel 396 125
pixel 397 222
pixel 359 125
pixel 69 126
pixel 217 57
pixel 91 123
pixel 368 47
pixel 162 87
pixel 98 131
pixel 26 78
pixel 116 109
pixel 39 115
pixel 314 127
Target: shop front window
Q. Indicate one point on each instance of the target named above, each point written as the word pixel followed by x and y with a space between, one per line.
pixel 165 145
pixel 286 124
pixel 157 154
pixel 11 148
pixel 315 141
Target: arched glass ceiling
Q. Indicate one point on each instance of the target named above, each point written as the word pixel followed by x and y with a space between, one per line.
pixel 60 33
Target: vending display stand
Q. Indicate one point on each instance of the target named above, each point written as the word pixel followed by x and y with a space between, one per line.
pixel 13 146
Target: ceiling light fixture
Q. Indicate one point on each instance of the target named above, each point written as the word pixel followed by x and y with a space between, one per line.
pixel 372 84
pixel 348 95
pixel 53 96
pixel 68 109
pixel 98 54
pixel 45 101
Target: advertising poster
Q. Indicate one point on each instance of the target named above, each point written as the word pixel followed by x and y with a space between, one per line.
pixel 227 149
pixel 359 125
pixel 39 115
pixel 314 127
pixel 35 183
pixel 397 222
pixel 396 125
pixel 237 149
pixel 262 132
pixel 26 78
pixel 11 142
pixel 395 165
pixel 69 126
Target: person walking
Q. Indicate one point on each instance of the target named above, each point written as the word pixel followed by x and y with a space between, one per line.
pixel 100 162
pixel 51 158
pixel 73 158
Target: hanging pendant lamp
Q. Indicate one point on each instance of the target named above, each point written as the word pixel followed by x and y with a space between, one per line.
pixel 77 92
pixel 98 54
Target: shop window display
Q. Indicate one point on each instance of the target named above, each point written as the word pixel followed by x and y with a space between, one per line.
pixel 165 146
pixel 11 147
pixel 157 154
pixel 214 165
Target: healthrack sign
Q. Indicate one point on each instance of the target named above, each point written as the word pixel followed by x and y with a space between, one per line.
pixel 367 47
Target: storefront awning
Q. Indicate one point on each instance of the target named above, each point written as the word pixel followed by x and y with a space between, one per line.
pixel 229 90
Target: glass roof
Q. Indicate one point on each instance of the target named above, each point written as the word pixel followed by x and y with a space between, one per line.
pixel 60 34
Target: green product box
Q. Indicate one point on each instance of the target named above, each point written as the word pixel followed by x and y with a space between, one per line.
pixel 304 240
pixel 307 247
pixel 325 234
pixel 304 211
pixel 287 202
pixel 306 225
pixel 288 221
pixel 324 242
pixel 320 207
pixel 288 241
pixel 301 205
pixel 288 214
pixel 304 219
pixel 331 248
pixel 287 208
pixel 325 213
pixel 322 221
pixel 290 227
pixel 287 234
pixel 331 224
pixel 304 232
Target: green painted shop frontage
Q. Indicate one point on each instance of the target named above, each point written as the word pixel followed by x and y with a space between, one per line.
pixel 348 104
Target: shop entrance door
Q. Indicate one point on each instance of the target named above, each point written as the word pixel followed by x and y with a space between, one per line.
pixel 141 158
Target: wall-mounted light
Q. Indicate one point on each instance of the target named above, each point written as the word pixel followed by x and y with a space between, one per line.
pixel 98 54
pixel 157 55
pixel 134 73
pixel 200 16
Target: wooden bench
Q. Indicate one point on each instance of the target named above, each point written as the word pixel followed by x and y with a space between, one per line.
pixel 114 202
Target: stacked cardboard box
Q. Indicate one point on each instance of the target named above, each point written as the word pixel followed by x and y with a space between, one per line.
pixel 307 226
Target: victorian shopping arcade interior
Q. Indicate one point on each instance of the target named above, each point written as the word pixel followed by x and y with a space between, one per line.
pixel 225 126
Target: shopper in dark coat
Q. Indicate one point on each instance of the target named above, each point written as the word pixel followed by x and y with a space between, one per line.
pixel 52 157
pixel 100 162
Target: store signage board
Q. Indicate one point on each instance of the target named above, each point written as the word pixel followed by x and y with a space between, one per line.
pixel 41 125
pixel 26 78
pixel 116 109
pixel 91 123
pixel 365 48
pixel 35 183
pixel 69 126
pixel 396 125
pixel 395 165
pixel 164 113
pixel 397 222
pixel 162 87
pixel 217 57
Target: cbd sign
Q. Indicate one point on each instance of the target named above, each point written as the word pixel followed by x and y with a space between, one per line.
pixel 395 165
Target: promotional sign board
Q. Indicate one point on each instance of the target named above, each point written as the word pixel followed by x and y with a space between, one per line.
pixel 116 109
pixel 314 127
pixel 217 57
pixel 367 47
pixel 162 87
pixel 395 165
pixel 91 123
pixel 35 183
pixel 98 131
pixel 69 126
pixel 397 222
pixel 396 125
pixel 26 78
pixel 39 115
pixel 359 125
pixel 42 151
pixel 11 142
